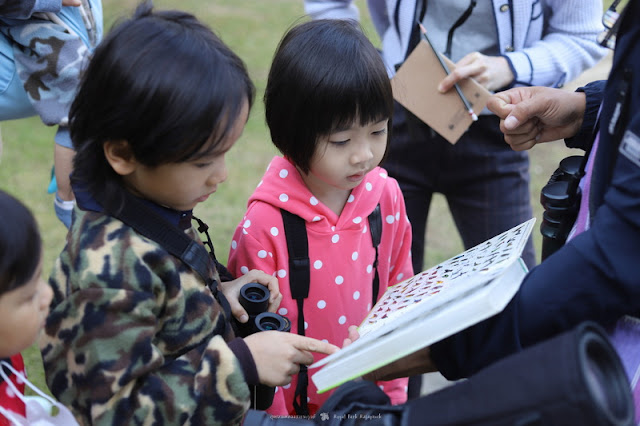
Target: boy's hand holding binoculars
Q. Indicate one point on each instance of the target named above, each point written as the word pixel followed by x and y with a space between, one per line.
pixel 231 290
pixel 276 353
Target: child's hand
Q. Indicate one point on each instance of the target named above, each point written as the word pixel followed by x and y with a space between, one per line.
pixel 353 336
pixel 71 2
pixel 231 290
pixel 278 355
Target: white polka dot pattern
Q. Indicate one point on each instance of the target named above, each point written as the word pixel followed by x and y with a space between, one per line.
pixel 341 256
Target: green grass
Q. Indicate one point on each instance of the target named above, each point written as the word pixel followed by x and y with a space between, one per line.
pixel 252 28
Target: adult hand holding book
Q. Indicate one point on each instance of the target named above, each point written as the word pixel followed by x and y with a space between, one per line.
pixel 416 363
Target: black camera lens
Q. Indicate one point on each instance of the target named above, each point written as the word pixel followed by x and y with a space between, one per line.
pixel 254 298
pixel 606 380
pixel 267 321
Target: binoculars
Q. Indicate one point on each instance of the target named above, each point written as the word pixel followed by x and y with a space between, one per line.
pixel 560 198
pixel 254 298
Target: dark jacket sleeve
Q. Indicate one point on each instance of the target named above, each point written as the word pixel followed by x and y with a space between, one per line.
pixel 594 92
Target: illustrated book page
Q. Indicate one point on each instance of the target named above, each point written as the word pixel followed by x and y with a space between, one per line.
pixel 415 86
pixel 431 306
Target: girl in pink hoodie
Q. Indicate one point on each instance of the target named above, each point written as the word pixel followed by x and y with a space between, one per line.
pixel 328 106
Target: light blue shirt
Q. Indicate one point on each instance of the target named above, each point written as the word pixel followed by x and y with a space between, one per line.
pixel 547 42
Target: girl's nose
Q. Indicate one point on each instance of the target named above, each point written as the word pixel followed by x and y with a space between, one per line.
pixel 362 154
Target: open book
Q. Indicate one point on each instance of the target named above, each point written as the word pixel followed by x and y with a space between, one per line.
pixel 431 306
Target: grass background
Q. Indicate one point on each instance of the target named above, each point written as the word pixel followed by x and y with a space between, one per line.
pixel 252 28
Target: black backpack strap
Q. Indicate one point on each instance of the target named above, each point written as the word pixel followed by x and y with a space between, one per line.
pixel 375 226
pixel 149 223
pixel 295 231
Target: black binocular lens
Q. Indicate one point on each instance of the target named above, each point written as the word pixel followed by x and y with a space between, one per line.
pixel 267 321
pixel 254 298
pixel 560 198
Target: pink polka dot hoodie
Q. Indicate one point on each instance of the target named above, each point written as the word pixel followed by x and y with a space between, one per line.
pixel 341 258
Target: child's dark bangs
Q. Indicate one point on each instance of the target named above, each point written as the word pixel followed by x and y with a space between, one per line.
pixel 220 127
pixel 207 118
pixel 363 98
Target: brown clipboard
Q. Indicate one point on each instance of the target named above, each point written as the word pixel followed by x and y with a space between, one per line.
pixel 415 86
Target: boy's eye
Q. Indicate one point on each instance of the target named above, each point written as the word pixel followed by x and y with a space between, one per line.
pixel 202 165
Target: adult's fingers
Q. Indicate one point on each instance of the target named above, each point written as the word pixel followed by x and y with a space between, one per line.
pixel 459 73
pixel 500 104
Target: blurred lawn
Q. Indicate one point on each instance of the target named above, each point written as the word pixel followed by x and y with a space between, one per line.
pixel 252 28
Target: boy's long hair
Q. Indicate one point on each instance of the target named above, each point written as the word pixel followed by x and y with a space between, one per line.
pixel 164 83
pixel 20 243
pixel 325 75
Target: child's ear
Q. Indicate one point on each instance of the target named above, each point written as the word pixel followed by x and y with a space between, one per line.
pixel 119 155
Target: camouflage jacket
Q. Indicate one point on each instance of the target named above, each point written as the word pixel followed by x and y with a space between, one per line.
pixel 50 51
pixel 134 336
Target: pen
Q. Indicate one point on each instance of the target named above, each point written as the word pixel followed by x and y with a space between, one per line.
pixel 466 103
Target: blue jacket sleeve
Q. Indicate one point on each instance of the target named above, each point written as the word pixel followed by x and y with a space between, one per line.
pixel 23 9
pixel 594 92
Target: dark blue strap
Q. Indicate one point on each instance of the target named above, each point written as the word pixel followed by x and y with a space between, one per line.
pixel 375 226
pixel 149 223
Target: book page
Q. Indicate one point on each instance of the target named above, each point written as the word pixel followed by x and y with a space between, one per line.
pixel 473 267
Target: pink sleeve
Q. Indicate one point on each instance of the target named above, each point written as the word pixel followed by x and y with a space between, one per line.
pixel 248 253
pixel 259 242
pixel 396 389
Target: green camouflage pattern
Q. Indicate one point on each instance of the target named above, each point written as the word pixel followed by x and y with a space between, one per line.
pixel 134 336
pixel 50 53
